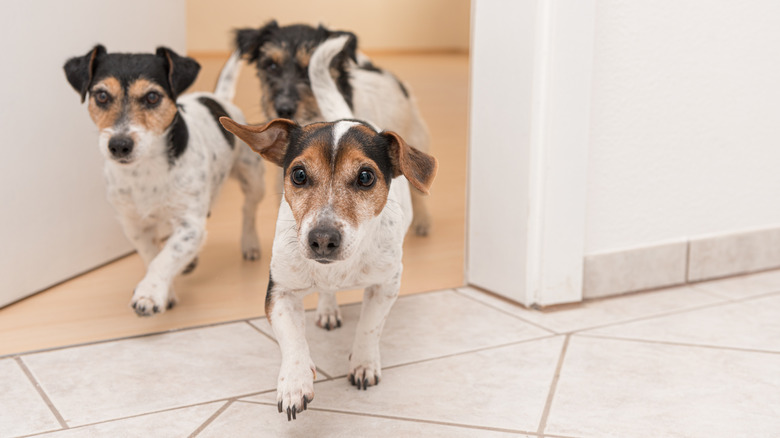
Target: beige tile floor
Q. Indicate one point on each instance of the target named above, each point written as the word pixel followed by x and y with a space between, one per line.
pixel 695 361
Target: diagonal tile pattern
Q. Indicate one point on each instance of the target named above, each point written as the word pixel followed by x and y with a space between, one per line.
pixel 616 388
pixel 752 324
pixel 744 286
pixel 419 327
pixel 250 419
pixel 688 361
pixel 22 410
pixel 119 379
pixel 173 423
pixel 607 311
pixel 502 387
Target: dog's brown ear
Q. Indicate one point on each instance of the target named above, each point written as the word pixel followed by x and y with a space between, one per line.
pixel 182 71
pixel 417 166
pixel 270 141
pixel 80 70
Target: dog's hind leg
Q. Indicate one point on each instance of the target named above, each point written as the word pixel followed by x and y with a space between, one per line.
pixel 421 221
pixel 364 364
pixel 417 135
pixel 328 314
pixel 249 171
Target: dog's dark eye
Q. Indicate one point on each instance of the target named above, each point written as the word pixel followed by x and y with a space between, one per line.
pixel 272 66
pixel 366 178
pixel 298 176
pixel 152 98
pixel 101 97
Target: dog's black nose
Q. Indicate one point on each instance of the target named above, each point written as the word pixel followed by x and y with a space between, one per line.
pixel 120 146
pixel 324 241
pixel 285 111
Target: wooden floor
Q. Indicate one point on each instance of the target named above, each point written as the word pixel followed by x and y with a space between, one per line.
pixel 94 306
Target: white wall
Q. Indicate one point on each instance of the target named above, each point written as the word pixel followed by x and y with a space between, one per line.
pixel 500 146
pixel 56 221
pixel 380 24
pixel 530 100
pixel 685 132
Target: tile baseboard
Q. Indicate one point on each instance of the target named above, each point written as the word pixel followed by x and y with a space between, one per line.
pixel 738 253
pixel 633 270
pixel 698 259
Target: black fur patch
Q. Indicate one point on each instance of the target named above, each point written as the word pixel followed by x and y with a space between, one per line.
pixel 403 88
pixel 269 295
pixel 129 67
pixel 299 140
pixel 376 147
pixel 218 111
pixel 178 137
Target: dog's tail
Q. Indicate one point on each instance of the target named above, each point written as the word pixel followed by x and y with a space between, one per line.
pixel 228 77
pixel 329 99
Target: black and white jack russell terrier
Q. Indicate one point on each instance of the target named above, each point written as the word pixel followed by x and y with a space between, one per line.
pixel 166 157
pixel 344 214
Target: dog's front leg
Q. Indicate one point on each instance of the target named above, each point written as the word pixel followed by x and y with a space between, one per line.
pixel 364 364
pixel 295 387
pixel 153 294
pixel 143 237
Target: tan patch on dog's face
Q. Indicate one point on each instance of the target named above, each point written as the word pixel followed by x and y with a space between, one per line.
pixel 274 53
pixel 154 118
pixel 106 115
pixel 134 107
pixel 354 203
pixel 333 184
pixel 303 56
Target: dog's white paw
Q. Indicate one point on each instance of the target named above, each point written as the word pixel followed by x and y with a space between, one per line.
pixel 152 298
pixel 364 372
pixel 328 313
pixel 295 389
pixel 250 247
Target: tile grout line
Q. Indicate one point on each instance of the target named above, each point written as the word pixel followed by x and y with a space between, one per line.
pixel 537 325
pixel 213 417
pixel 646 317
pixel 678 344
pixel 183 329
pixel 688 262
pixel 41 392
pixel 159 411
pixel 701 287
pixel 262 332
pixel 447 356
pixel 553 387
pixel 319 370
pixel 411 420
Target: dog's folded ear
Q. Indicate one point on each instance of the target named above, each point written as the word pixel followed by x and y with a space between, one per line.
pixel 248 41
pixel 80 69
pixel 417 166
pixel 182 71
pixel 270 141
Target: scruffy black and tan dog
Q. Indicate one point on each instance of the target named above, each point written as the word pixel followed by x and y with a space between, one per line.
pixel 282 54
pixel 166 157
